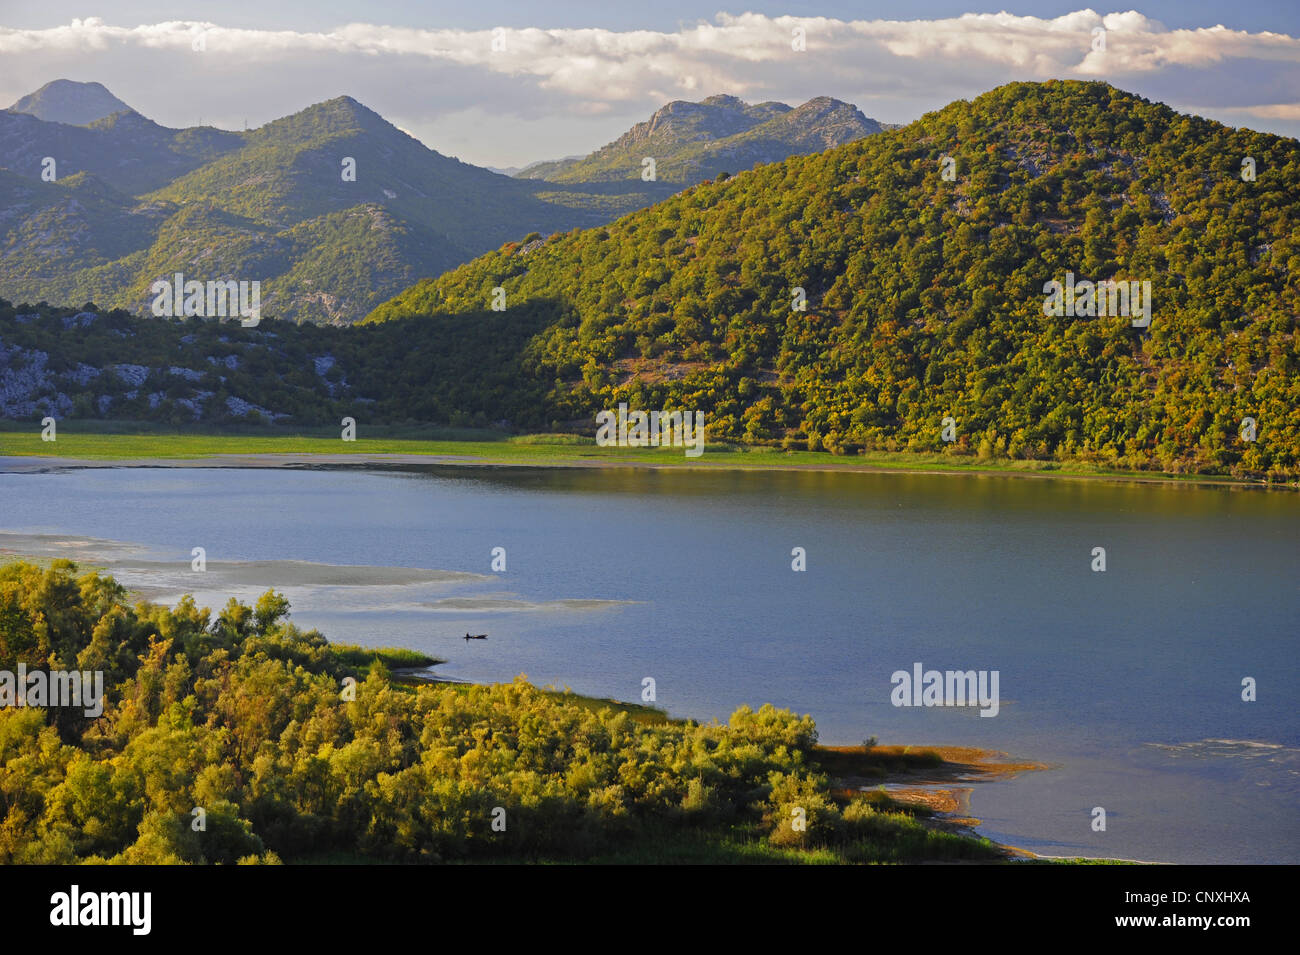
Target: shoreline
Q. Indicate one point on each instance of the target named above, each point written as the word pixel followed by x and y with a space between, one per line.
pixel 933 781
pixel 943 795
pixel 39 463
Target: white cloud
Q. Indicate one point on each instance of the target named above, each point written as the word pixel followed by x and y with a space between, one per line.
pixel 1285 111
pixel 603 64
pixel 900 66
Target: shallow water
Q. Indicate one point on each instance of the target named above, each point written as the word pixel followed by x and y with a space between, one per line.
pixel 1127 682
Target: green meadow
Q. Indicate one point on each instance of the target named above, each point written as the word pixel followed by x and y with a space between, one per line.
pixel 123 442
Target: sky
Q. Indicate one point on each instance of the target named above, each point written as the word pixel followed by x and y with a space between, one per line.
pixel 504 84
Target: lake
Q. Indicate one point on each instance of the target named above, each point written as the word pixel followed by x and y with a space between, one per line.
pixel 1127 682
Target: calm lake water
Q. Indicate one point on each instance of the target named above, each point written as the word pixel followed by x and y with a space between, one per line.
pixel 1128 682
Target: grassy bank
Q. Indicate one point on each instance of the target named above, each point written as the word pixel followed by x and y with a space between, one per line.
pixel 392 658
pixel 125 444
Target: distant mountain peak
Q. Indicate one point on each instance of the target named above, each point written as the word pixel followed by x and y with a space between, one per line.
pixel 693 141
pixel 341 115
pixel 343 105
pixel 725 100
pixel 71 102
pixel 345 102
pixel 823 102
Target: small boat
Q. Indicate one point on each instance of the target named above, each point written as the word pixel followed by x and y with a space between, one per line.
pixel 476 636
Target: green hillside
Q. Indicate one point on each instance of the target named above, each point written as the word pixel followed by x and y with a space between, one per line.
pixel 925 298
pixel 291 170
pixel 126 151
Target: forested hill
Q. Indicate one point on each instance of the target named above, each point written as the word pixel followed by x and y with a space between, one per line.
pixel 925 297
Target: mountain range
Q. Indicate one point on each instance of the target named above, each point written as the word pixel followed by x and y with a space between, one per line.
pixel 895 292
pixel 691 142
pixel 99 210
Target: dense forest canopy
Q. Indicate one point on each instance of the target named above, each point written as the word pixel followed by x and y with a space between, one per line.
pixel 85 363
pixel 924 297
